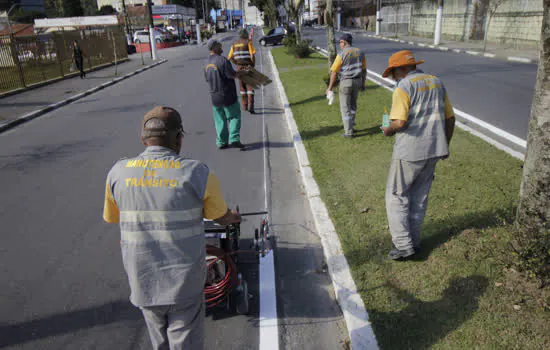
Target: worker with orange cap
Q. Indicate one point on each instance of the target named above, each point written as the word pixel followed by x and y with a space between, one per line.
pixel 422 118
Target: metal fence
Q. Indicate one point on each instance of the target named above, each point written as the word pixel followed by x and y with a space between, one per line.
pixel 25 61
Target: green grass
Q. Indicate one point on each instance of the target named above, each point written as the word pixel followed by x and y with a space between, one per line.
pixel 457 294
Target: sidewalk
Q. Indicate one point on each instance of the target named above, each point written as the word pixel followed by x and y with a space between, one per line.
pixel 500 51
pixel 12 107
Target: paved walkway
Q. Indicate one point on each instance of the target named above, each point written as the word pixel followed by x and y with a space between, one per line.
pixel 12 107
pixel 502 51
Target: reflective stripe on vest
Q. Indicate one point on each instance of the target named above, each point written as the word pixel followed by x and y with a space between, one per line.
pixel 424 138
pixel 240 55
pixel 352 61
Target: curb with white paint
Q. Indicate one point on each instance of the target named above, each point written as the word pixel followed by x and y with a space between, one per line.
pixel 357 320
pixel 469 52
pixel 35 114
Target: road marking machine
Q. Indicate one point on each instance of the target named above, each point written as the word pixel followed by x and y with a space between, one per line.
pixel 225 286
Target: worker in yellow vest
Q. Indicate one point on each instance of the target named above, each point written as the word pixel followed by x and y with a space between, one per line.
pixel 242 54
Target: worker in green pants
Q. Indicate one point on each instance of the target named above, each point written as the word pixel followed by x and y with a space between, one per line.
pixel 220 75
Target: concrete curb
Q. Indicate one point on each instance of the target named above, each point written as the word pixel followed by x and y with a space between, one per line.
pixel 468 52
pixel 357 320
pixel 35 114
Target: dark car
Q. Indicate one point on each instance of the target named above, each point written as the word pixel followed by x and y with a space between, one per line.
pixel 275 36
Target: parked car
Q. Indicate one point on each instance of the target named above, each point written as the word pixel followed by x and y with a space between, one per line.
pixel 142 36
pixel 274 37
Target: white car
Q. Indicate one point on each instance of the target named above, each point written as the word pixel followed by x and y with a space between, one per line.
pixel 142 36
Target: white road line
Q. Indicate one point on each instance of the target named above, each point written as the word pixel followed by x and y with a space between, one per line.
pixel 269 328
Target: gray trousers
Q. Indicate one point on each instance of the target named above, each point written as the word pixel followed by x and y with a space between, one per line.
pixel 174 327
pixel 348 92
pixel 407 193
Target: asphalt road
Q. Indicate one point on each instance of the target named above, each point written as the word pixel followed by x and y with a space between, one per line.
pixel 495 91
pixel 63 283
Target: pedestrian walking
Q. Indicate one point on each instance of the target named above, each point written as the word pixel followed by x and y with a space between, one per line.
pixel 367 24
pixel 242 54
pixel 78 58
pixel 422 118
pixel 159 198
pixel 220 75
pixel 352 66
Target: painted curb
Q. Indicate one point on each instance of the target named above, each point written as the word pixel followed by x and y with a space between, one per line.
pixel 519 59
pixel 357 320
pixel 35 114
pixel 469 52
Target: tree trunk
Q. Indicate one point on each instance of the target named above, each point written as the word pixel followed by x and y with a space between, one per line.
pixel 534 204
pixel 331 44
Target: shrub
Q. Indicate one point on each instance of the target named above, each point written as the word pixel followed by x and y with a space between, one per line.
pixel 300 49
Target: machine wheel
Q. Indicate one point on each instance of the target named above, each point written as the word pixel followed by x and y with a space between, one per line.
pixel 263 43
pixel 241 299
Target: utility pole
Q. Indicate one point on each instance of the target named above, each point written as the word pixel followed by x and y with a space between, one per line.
pixel 197 25
pixel 125 15
pixel 378 16
pixel 152 42
pixel 438 23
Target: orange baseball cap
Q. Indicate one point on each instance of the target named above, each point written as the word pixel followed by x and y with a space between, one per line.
pixel 401 59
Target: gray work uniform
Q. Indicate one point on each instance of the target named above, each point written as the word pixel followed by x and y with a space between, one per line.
pixel 416 151
pixel 160 198
pixel 351 81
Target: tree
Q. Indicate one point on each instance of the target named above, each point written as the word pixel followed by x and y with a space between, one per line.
pixel 532 243
pixel 329 21
pixel 89 7
pixel 72 8
pixel 492 7
pixel 293 9
pixel 107 10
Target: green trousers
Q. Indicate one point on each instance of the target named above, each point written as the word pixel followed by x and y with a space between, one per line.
pixel 222 116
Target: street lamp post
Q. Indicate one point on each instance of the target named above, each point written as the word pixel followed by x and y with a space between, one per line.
pixel 152 41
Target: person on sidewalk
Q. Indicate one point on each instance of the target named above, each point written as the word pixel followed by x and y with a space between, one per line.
pixel 220 75
pixel 159 199
pixel 352 65
pixel 78 58
pixel 242 54
pixel 423 119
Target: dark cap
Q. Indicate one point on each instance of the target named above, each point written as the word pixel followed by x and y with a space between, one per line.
pixel 160 121
pixel 211 43
pixel 243 34
pixel 346 37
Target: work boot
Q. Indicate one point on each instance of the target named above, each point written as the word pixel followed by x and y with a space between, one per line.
pixel 236 144
pixel 399 255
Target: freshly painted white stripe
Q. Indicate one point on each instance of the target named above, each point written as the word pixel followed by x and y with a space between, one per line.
pixel 411 43
pixel 457 50
pixel 443 48
pixel 421 44
pixel 490 55
pixel 519 59
pixel 269 332
pixel 475 53
pixel 431 46
pixel 268 318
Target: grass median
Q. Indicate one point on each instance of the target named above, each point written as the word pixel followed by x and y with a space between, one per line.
pixel 458 293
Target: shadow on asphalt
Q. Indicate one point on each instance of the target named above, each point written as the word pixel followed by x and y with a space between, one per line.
pixel 69 322
pixel 259 145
